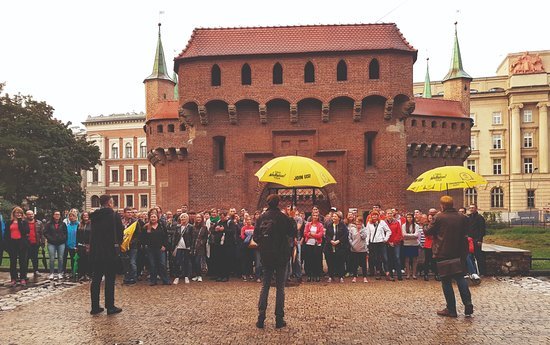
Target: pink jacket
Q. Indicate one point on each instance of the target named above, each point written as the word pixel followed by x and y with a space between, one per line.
pixel 318 236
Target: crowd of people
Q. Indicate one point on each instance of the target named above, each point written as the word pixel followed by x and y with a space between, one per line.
pixel 186 246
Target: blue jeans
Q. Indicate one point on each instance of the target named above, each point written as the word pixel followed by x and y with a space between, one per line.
pixel 470 264
pixel 297 264
pixel 60 250
pixel 131 274
pixel 463 289
pixel 257 264
pixel 395 255
pixel 157 265
pixel 184 263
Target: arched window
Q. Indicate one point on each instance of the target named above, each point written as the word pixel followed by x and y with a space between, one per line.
pixel 497 197
pixel 277 74
pixel 374 69
pixel 95 201
pixel 309 73
pixel 470 195
pixel 434 124
pixel 444 124
pixel 182 127
pixel 246 75
pixel 342 71
pixel 171 128
pixel 128 150
pixel 216 76
pixel 142 150
pixel 159 129
pixel 453 125
pixel 114 151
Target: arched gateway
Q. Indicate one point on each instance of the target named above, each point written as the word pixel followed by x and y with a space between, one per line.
pixel 303 198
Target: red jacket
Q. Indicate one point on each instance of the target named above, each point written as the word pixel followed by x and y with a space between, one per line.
pixel 396 236
pixel 318 236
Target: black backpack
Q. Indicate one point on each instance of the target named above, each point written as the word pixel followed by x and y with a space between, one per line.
pixel 270 244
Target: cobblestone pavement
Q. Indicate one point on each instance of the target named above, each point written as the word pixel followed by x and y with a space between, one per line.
pixel 507 311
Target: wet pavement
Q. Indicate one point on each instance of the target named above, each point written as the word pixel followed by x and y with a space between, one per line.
pixel 507 311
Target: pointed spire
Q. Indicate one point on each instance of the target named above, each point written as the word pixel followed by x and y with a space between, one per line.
pixel 427 84
pixel 159 66
pixel 176 92
pixel 456 70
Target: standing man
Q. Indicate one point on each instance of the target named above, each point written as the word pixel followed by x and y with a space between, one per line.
pixel 36 239
pixel 477 231
pixel 449 230
pixel 130 260
pixel 106 234
pixel 272 232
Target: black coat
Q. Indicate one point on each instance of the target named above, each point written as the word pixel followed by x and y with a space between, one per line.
pixel 187 236
pixel 282 232
pixel 342 235
pixel 56 236
pixel 23 229
pixel 477 227
pixel 106 229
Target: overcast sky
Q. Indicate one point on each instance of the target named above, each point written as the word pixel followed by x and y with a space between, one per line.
pixel 90 57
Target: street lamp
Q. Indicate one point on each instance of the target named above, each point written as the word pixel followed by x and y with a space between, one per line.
pixel 529 193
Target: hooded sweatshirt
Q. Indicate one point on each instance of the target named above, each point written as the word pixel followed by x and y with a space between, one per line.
pixel 72 227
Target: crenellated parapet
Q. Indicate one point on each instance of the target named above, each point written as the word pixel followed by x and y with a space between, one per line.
pixel 162 155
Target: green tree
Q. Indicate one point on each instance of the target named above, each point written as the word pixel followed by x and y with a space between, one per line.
pixel 40 156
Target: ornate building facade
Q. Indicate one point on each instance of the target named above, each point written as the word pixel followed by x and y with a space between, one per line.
pixel 510 136
pixel 340 94
pixel 124 172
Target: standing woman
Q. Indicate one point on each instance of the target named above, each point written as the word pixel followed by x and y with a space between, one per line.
pixel 313 252
pixel 429 261
pixel 411 243
pixel 248 250
pixel 56 235
pixel 337 248
pixel 358 239
pixel 70 246
pixel 198 250
pixel 155 240
pixel 183 241
pixel 17 243
pixel 83 244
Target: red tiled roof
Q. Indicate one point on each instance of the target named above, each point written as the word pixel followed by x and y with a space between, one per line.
pixel 165 111
pixel 294 39
pixel 438 107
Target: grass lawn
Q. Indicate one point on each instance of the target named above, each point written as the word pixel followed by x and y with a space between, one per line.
pixel 535 239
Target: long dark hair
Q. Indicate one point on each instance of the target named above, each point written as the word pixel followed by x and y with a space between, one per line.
pixel 409 227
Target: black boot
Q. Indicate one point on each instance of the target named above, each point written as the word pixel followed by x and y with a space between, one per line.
pixel 260 322
pixel 280 323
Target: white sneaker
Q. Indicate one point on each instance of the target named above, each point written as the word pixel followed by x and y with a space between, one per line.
pixel 36 274
pixel 51 277
pixel 475 277
pixel 365 280
pixel 354 280
pixel 176 281
pixel 60 276
pixel 329 280
pixel 199 279
pixel 195 278
pixel 341 280
pixel 186 280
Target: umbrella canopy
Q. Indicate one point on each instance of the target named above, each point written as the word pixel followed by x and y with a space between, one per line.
pixel 445 178
pixel 295 171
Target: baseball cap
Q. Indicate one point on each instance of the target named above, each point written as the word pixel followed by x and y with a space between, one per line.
pixel 333 209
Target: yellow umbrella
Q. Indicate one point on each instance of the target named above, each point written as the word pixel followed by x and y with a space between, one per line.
pixel 295 171
pixel 445 178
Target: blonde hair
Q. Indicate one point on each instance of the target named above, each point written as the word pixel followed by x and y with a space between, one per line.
pixel 16 209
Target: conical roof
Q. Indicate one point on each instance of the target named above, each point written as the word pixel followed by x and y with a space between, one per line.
pixel 159 66
pixel 456 71
pixel 427 83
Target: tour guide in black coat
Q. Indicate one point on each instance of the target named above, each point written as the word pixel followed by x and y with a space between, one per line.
pixel 282 231
pixel 106 228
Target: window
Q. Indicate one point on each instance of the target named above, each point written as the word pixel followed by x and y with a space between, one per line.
pixel 453 125
pixel 434 124
pixel 143 174
pixel 471 164
pixel 246 75
pixel 443 124
pixel 170 128
pixel 528 140
pixel 142 150
pixel 216 76
pixel 128 150
pixel 309 73
pixel 497 118
pixel 115 200
pixel 470 195
pixel 95 176
pixel 369 149
pixel 114 175
pixel 528 165
pixel 277 74
pixel 413 123
pixel 114 151
pixel 527 115
pixel 143 201
pixel 530 198
pixel 95 201
pixel 159 129
pixel 219 153
pixel 182 127
pixel 473 117
pixel 497 197
pixel 374 69
pixel 129 201
pixel 473 142
pixel 497 141
pixel 497 166
pixel 129 177
pixel 342 71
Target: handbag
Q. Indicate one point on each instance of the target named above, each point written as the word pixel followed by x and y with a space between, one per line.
pixel 450 267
